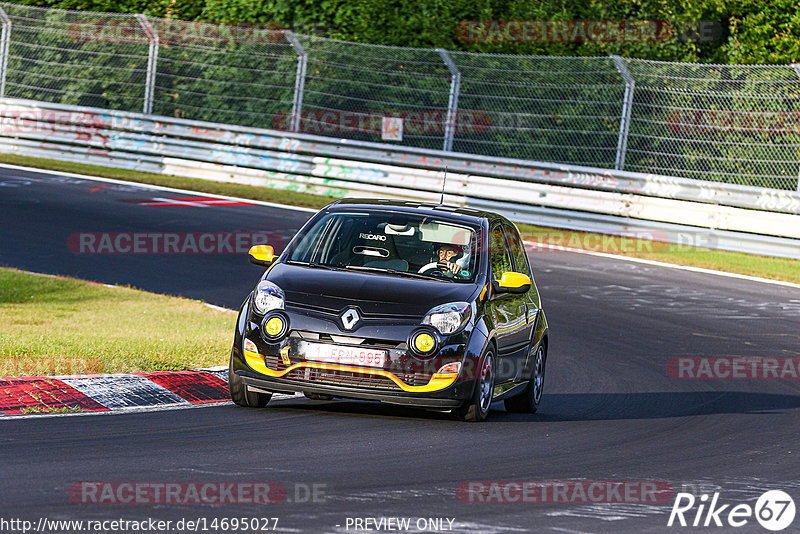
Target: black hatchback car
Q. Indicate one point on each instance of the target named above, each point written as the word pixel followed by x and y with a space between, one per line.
pixel 402 302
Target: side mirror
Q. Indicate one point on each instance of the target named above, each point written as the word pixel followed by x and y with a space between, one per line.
pixel 512 283
pixel 261 255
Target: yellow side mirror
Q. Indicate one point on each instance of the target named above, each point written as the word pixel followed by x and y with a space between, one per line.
pixel 512 282
pixel 261 255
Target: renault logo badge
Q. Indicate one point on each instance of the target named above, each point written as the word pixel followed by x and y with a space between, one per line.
pixel 350 318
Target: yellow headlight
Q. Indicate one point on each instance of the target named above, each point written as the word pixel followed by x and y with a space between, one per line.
pixel 274 326
pixel 424 342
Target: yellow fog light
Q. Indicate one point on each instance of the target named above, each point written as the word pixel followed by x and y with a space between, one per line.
pixel 274 327
pixel 424 343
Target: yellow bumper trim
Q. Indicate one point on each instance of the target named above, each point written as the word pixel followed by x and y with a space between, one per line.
pixel 436 383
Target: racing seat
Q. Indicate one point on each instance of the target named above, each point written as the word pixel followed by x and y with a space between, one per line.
pixel 377 249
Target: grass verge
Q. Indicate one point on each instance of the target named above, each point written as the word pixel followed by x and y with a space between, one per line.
pixel 551 240
pixel 50 410
pixel 59 326
pixel 734 262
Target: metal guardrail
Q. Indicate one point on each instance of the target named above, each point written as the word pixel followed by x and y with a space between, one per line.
pixel 710 123
pixel 716 215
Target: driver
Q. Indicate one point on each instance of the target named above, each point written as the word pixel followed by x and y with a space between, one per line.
pixel 447 254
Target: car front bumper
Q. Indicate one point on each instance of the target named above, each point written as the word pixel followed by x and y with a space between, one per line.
pixel 273 385
pixel 405 379
pixel 438 391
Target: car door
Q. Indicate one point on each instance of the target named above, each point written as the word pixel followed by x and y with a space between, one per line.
pixel 508 311
pixel 529 300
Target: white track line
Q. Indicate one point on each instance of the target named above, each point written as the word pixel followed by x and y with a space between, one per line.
pixel 311 210
pixel 158 187
pixel 676 266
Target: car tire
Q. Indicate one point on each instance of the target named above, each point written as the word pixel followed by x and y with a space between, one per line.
pixel 476 409
pixel 239 393
pixel 528 401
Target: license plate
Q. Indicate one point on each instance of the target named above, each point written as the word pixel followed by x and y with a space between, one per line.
pixel 325 352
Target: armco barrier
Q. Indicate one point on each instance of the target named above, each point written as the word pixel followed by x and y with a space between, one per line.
pixel 733 217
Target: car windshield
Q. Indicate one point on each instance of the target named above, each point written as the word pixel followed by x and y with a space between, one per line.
pixel 399 244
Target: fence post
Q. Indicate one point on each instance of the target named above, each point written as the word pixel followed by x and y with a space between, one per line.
pixel 152 61
pixel 625 117
pixel 5 38
pixel 452 102
pixel 796 67
pixel 299 80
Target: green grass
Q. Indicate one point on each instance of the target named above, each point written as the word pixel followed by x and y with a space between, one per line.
pixel 54 325
pixel 29 410
pixel 735 262
pixel 721 260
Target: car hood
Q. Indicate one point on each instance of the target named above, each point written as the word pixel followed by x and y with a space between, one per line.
pixel 373 293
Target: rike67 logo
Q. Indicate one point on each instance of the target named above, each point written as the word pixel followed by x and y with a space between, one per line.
pixel 774 510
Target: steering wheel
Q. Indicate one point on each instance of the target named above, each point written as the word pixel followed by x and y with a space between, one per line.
pixel 427 267
pixel 432 268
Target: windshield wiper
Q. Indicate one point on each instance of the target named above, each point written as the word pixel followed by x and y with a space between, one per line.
pixel 314 264
pixel 407 274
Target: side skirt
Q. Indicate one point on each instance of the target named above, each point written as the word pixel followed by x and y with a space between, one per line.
pixel 504 391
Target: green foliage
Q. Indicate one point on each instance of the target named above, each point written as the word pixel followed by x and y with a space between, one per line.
pixel 739 31
pixel 707 119
pixel 764 32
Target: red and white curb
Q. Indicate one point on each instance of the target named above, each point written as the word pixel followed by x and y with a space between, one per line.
pixel 113 392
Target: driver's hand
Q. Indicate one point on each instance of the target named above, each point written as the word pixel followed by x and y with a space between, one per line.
pixel 454 267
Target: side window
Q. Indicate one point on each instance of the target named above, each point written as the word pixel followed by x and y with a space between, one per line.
pixel 499 259
pixel 517 251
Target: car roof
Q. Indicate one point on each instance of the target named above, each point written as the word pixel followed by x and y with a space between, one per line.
pixel 413 206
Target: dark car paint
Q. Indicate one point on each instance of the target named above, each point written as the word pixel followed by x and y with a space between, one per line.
pixel 513 338
pixel 392 308
pixel 372 293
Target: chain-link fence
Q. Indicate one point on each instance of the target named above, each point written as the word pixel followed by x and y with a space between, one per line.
pixel 729 123
pixel 732 123
pixel 559 109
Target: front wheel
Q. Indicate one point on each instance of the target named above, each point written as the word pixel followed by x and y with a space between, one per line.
pixel 239 393
pixel 528 401
pixel 477 407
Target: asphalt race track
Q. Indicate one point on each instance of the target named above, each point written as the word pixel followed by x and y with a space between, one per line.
pixel 611 411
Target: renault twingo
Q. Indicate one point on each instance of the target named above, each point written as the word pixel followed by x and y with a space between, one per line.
pixel 401 302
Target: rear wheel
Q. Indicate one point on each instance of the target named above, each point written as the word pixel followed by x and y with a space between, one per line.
pixel 477 407
pixel 239 393
pixel 528 400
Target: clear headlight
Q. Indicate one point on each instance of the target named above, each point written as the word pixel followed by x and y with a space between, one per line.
pixel 268 296
pixel 448 318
